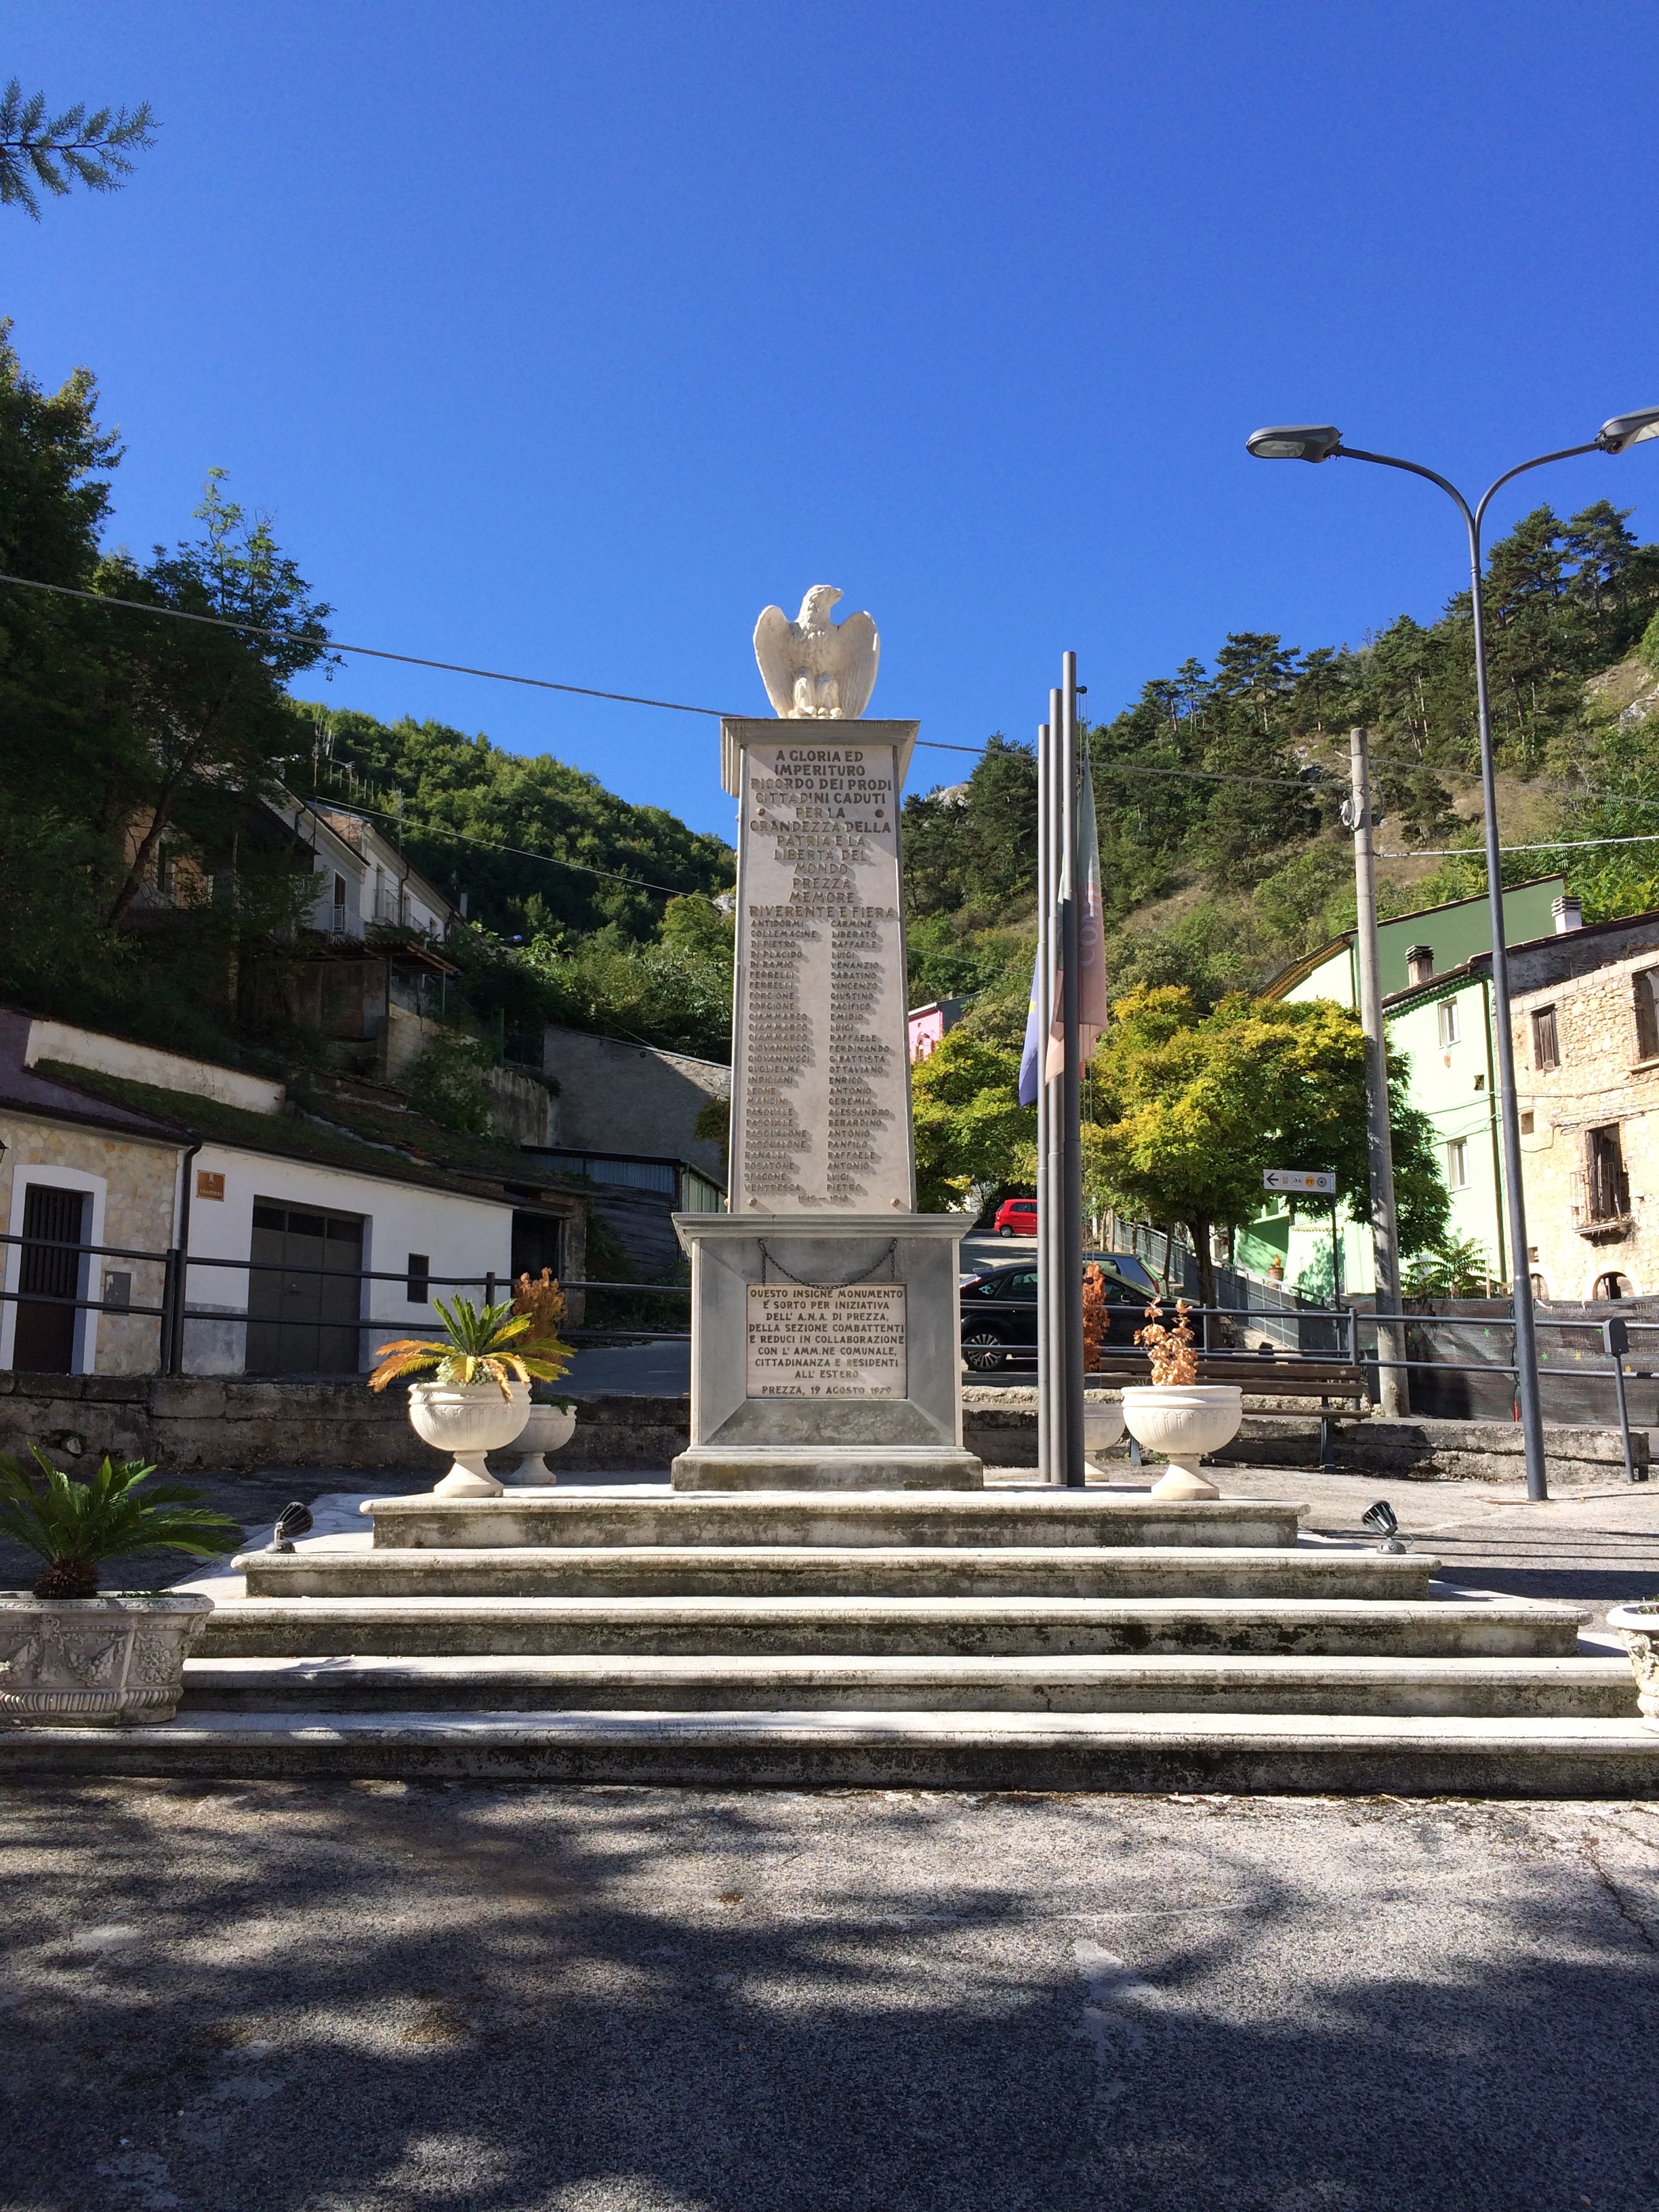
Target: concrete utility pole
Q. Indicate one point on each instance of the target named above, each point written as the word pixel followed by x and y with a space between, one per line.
pixel 1392 1383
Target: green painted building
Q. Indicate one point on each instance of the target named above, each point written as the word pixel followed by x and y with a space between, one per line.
pixel 1437 1012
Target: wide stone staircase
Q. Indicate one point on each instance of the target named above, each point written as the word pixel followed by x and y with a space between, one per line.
pixel 1010 1638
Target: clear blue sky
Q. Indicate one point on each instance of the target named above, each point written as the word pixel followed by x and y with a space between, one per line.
pixel 563 337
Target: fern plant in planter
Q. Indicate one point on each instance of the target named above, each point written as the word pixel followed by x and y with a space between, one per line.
pixel 68 1654
pixel 483 1363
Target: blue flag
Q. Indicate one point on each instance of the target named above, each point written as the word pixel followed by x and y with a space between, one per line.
pixel 1028 1055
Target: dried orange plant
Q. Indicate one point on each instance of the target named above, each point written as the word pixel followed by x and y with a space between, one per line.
pixel 540 1297
pixel 1171 1350
pixel 1096 1319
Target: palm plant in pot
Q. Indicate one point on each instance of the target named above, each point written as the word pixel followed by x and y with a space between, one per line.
pixel 1176 1414
pixel 484 1362
pixel 68 1653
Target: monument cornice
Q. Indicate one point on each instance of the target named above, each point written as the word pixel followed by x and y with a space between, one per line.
pixel 737 730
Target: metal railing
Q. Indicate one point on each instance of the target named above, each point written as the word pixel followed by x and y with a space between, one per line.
pixel 172 1309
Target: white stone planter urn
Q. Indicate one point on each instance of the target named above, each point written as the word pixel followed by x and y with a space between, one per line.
pixel 1183 1421
pixel 1102 1427
pixel 1639 1626
pixel 110 1661
pixel 549 1429
pixel 467 1420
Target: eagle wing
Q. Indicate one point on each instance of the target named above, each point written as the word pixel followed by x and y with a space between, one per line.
pixel 778 653
pixel 858 652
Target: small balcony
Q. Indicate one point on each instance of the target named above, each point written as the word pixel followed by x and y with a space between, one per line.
pixel 1601 1205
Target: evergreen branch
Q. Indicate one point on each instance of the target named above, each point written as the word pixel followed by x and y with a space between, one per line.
pixel 74 148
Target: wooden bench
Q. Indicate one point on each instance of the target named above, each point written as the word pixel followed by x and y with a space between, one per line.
pixel 1259 1374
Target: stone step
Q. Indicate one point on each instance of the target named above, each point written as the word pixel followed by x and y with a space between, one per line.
pixel 1562 1688
pixel 968 1750
pixel 840 1570
pixel 1464 1625
pixel 859 1517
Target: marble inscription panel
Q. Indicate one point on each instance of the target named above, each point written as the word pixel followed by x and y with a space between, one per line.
pixel 821 1119
pixel 841 1340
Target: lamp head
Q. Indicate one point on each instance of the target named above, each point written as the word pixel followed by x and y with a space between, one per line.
pixel 1628 430
pixel 1294 441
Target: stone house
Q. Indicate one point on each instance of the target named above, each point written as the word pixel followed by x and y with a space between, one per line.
pixel 1436 1009
pixel 1585 1007
pixel 314 1218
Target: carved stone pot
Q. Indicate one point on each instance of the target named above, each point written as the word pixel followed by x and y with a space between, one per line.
pixel 467 1420
pixel 1639 1626
pixel 549 1429
pixel 1102 1427
pixel 95 1662
pixel 1182 1422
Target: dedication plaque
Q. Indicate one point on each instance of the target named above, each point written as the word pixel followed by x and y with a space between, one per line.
pixel 820 1102
pixel 842 1340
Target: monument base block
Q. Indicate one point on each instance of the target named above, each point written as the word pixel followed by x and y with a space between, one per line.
pixel 825 1354
pixel 847 1468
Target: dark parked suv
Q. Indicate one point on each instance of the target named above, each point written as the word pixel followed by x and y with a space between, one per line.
pixel 1000 1309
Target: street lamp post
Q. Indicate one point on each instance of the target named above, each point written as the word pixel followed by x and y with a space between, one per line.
pixel 1322 442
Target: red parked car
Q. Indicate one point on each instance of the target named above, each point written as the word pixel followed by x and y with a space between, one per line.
pixel 1016 1216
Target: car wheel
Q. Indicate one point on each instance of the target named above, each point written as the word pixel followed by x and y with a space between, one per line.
pixel 982 1348
pixel 1004 1232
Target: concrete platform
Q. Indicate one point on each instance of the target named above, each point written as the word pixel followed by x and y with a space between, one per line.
pixel 1237 1753
pixel 1451 1625
pixel 1023 1516
pixel 862 1571
pixel 1579 1688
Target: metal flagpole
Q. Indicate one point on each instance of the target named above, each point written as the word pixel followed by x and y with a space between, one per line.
pixel 1046 1448
pixel 1070 1102
pixel 1051 1321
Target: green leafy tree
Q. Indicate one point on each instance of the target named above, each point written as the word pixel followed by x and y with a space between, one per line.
pixel 60 151
pixel 1192 1107
pixel 204 710
pixel 971 1128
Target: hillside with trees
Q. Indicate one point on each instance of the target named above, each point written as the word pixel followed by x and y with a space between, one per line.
pixel 1223 851
pixel 135 749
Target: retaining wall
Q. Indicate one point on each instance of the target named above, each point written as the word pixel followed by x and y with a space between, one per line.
pixel 198 1422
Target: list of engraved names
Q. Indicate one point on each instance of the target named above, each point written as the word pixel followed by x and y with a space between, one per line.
pixel 821 1119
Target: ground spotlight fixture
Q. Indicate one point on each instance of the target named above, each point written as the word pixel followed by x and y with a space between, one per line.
pixel 1628 430
pixel 1295 442
pixel 1384 1522
pixel 293 1520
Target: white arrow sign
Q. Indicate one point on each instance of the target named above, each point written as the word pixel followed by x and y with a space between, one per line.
pixel 1315 1181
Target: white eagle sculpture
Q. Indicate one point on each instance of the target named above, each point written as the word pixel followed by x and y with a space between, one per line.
pixel 816 670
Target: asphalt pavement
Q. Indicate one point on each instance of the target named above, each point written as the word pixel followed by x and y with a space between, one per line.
pixel 405 1998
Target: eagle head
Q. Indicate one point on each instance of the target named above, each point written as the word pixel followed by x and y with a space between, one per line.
pixel 815 607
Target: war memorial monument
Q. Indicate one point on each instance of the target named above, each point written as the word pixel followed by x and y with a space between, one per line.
pixel 825 1346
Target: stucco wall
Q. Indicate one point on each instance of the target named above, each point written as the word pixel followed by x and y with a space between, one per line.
pixel 460 1234
pixel 143 1063
pixel 131 1183
pixel 617 1097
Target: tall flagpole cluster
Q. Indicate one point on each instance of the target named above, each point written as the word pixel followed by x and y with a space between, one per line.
pixel 1066 1017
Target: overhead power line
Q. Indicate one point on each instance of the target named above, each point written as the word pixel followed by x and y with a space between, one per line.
pixel 372 652
pixel 1549 845
pixel 321 806
pixel 722 714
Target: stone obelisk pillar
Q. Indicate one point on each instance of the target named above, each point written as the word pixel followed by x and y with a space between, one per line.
pixel 826 1350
